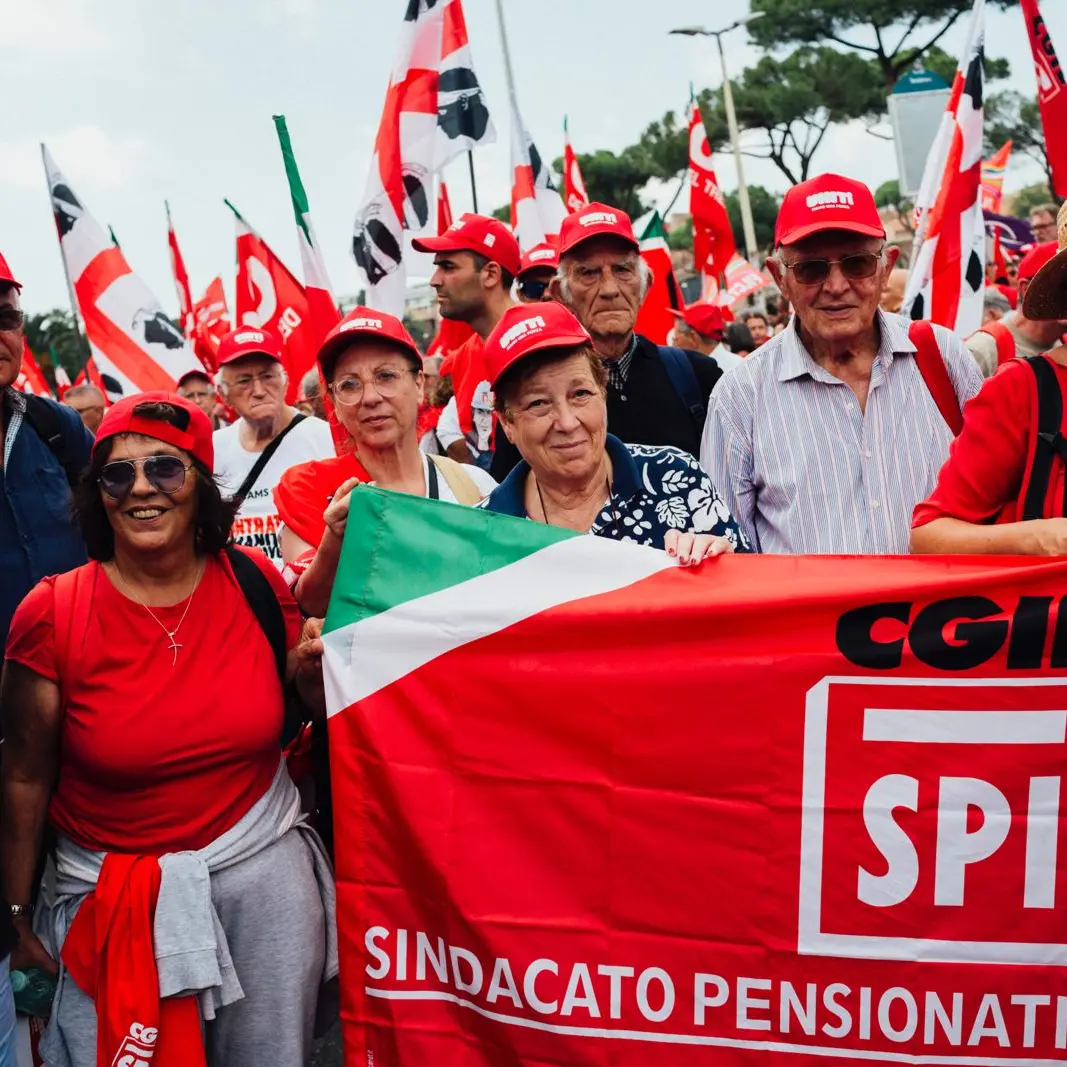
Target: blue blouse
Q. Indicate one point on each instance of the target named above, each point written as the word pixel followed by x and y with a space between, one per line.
pixel 653 490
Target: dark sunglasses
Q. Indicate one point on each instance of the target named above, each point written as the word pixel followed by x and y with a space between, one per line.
pixel 11 318
pixel 855 267
pixel 532 289
pixel 165 474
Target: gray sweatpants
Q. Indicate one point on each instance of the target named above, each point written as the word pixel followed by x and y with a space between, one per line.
pixel 272 913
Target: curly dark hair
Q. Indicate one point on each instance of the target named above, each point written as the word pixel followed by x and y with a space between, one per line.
pixel 214 516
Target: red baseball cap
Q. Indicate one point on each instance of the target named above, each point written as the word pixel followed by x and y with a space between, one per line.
pixel 1036 258
pixel 6 277
pixel 542 255
pixel 476 233
pixel 706 319
pixel 595 220
pixel 248 341
pixel 195 439
pixel 365 322
pixel 198 373
pixel 828 202
pixel 528 328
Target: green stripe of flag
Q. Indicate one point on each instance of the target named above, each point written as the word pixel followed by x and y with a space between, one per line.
pixel 296 186
pixel 399 548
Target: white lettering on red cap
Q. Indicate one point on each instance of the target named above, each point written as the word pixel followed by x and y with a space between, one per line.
pixel 489 240
pixel 456 226
pixel 594 218
pixel 541 253
pixel 249 337
pixel 535 324
pixel 817 201
pixel 362 324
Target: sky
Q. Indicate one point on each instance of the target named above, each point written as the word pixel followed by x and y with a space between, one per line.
pixel 139 102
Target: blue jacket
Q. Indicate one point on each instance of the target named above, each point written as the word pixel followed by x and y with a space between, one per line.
pixel 38 535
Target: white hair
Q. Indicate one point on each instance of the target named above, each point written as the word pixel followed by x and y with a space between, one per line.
pixel 644 272
pixel 223 387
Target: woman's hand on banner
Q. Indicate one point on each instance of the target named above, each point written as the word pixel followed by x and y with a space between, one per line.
pixel 693 548
pixel 336 513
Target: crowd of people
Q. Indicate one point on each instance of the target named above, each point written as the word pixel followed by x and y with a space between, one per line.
pixel 168 560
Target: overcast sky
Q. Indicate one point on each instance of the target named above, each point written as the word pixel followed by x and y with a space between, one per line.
pixel 140 101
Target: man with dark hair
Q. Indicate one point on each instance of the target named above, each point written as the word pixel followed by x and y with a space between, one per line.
pixel 44 446
pixel 758 326
pixel 475 263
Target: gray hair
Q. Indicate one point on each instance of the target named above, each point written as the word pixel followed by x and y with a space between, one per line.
pixel 223 387
pixel 309 384
pixel 995 299
pixel 644 271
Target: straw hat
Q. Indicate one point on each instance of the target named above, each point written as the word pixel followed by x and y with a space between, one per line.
pixel 1046 296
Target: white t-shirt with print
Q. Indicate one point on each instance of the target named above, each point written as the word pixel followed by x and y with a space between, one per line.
pixel 257 524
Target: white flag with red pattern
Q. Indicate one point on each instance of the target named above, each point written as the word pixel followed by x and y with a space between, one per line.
pixel 574 194
pixel 537 210
pixel 713 239
pixel 130 337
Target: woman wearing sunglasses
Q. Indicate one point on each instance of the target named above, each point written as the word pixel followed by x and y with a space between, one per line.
pixel 142 712
pixel 373 371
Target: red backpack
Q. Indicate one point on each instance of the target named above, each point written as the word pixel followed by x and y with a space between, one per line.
pixel 932 367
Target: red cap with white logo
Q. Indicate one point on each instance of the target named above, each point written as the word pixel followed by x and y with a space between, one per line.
pixel 248 341
pixel 476 233
pixel 828 202
pixel 706 319
pixel 196 437
pixel 368 323
pixel 595 220
pixel 528 328
pixel 543 255
pixel 6 277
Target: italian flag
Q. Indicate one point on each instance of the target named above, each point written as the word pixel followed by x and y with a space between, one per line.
pixel 323 307
pixel 386 621
pixel 654 319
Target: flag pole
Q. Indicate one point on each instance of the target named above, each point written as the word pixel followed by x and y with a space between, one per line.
pixel 83 343
pixel 474 188
pixel 508 72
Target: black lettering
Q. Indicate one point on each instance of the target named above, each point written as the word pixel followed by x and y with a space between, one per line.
pixel 854 638
pixel 1029 627
pixel 974 641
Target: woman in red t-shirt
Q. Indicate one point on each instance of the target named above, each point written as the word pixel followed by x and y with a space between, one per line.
pixel 373 372
pixel 977 505
pixel 142 714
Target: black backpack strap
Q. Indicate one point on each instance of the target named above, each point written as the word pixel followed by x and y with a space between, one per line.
pixel 47 423
pixel 264 459
pixel 263 601
pixel 1050 442
pixel 684 380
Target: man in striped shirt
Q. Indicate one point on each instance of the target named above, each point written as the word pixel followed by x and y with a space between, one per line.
pixel 827 436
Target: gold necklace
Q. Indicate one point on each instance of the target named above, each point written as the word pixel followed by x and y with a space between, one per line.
pixel 174 646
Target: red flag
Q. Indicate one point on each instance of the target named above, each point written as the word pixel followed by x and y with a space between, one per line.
pixel 1051 95
pixel 212 323
pixel 444 207
pixel 30 379
pixel 713 239
pixel 181 280
pixel 574 194
pixel 857 856
pixel 536 206
pixel 269 296
pixel 90 375
pixel 654 319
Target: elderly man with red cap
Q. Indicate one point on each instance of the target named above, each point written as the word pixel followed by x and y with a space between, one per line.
pixel 702 328
pixel 267 438
pixel 1015 335
pixel 475 263
pixel 828 435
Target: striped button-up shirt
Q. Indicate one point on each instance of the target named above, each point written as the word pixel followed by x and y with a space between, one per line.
pixel 805 470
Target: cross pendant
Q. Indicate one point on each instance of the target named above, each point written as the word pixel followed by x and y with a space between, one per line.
pixel 174 646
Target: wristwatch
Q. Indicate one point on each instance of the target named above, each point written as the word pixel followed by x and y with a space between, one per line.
pixel 19 911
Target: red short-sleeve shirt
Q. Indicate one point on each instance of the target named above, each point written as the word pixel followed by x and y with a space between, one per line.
pixel 157 757
pixel 304 492
pixel 982 478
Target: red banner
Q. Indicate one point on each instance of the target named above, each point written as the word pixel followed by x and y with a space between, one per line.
pixel 781 811
pixel 1051 95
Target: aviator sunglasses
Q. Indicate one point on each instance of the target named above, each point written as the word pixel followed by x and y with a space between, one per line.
pixel 166 474
pixel 11 318
pixel 855 267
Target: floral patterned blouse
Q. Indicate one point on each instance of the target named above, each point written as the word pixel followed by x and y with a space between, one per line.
pixel 653 490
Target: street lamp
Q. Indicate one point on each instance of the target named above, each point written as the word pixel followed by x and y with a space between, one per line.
pixel 731 121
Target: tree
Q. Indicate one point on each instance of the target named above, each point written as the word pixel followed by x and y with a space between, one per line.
pixel 892 34
pixel 794 101
pixel 1012 116
pixel 764 206
pixel 1029 197
pixel 615 178
pixel 888 195
pixel 54 340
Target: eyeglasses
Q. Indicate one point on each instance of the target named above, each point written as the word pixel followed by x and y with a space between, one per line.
pixel 856 267
pixel 166 474
pixel 268 379
pixel 532 289
pixel 196 395
pixel 349 391
pixel 11 318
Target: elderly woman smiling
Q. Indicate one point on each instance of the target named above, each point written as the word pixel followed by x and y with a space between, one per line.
pixel 550 389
